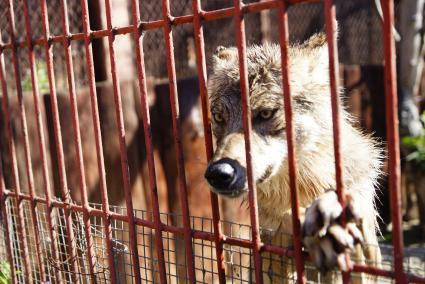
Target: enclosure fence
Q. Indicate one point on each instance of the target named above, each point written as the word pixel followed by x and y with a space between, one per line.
pixel 73 230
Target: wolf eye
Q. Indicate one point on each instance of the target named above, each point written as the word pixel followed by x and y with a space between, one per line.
pixel 218 117
pixel 266 114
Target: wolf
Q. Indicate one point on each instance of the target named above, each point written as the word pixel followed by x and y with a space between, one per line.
pixel 326 241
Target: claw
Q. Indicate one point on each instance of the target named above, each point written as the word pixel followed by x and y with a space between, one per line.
pixel 321 214
pixel 343 239
pixel 355 233
pixel 325 239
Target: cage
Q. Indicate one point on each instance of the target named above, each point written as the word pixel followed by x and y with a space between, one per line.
pixel 87 90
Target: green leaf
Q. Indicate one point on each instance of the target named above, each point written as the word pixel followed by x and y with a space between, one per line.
pixel 412 156
pixel 42 78
pixel 409 141
pixel 5 274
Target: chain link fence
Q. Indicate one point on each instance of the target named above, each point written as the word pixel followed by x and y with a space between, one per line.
pixel 359 38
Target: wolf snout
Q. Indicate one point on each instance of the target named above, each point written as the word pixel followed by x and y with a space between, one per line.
pixel 226 176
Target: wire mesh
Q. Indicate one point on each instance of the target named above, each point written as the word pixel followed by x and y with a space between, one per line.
pixel 238 260
pixel 359 18
pixel 55 18
pixel 90 239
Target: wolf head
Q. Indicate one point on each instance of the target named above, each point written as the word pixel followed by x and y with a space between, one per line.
pixel 309 82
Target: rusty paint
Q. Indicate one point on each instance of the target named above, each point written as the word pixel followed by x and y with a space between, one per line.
pixel 217 237
pixel 247 127
pixel 393 139
pixel 296 223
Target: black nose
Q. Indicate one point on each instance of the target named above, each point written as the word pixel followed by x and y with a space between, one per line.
pixel 226 175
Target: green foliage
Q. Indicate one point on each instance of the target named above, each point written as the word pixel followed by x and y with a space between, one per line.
pixel 42 78
pixel 416 147
pixel 5 273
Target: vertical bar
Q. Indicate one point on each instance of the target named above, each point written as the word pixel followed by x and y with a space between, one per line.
pixel 202 75
pixel 330 20
pixel 99 153
pixel 124 163
pixel 175 114
pixel 4 210
pixel 393 139
pixel 140 62
pixel 58 134
pixel 41 141
pixel 78 144
pixel 21 222
pixel 121 137
pixel 99 50
pixel 335 99
pixel 11 144
pixel 247 127
pixel 94 105
pixel 296 224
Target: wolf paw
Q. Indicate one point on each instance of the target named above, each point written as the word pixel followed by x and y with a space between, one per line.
pixel 327 241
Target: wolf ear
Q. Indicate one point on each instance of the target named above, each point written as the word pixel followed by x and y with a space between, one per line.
pixel 224 54
pixel 317 48
pixel 317 40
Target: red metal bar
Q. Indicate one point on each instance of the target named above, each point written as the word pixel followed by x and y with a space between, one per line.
pixel 335 99
pixel 58 138
pixel 197 17
pixel 89 62
pixel 247 127
pixel 79 151
pixel 21 223
pixel 144 106
pixel 207 236
pixel 123 147
pixel 393 139
pixel 41 141
pixel 3 208
pixel 330 19
pixel 180 20
pixel 175 115
pixel 373 270
pixel 296 223
pixel 99 149
pixel 202 75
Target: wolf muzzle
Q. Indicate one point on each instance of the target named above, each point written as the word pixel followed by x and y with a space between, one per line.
pixel 227 177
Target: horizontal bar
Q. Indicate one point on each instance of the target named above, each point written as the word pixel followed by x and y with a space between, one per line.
pixel 373 270
pixel 143 26
pixel 157 24
pixel 207 236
